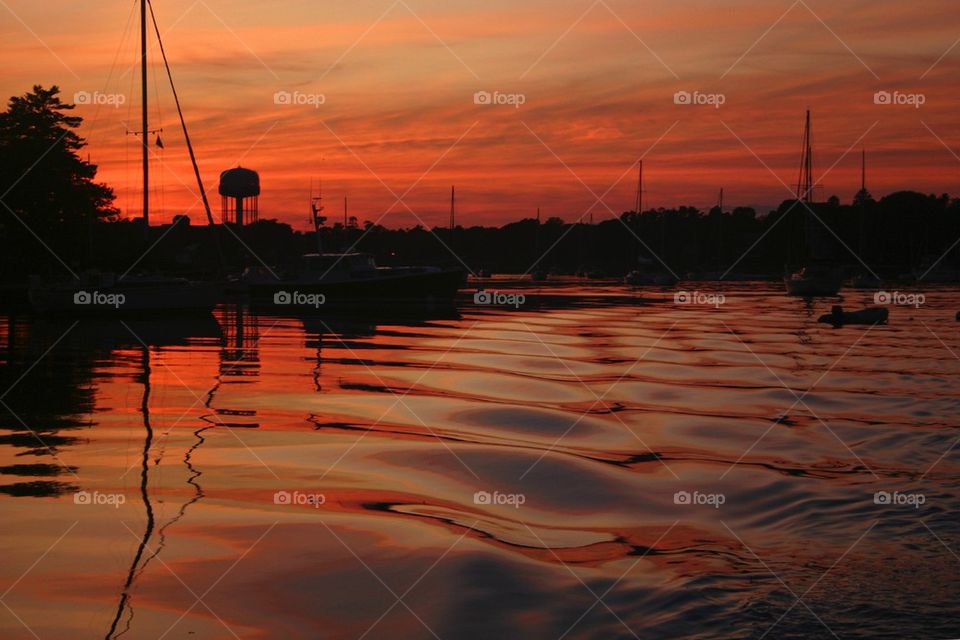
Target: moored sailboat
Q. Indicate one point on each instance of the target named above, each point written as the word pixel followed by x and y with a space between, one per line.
pixel 105 292
pixel 817 277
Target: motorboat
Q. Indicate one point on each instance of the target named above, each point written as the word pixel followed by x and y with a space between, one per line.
pixel 321 280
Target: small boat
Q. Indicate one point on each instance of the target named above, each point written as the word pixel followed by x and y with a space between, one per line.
pixel 871 315
pixel 333 279
pixel 813 281
pixel 817 278
pixel 95 293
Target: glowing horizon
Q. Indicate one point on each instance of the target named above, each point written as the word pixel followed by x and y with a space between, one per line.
pixel 598 84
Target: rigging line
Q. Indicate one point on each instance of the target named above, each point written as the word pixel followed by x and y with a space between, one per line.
pixel 186 136
pixel 113 66
pixel 126 144
pixel 144 485
pixel 158 188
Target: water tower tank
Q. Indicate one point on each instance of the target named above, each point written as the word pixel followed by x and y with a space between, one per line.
pixel 240 192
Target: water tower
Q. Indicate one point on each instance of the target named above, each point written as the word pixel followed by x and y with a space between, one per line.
pixel 240 191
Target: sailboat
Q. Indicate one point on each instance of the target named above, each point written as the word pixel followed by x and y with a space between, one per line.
pixel 323 280
pixel 95 292
pixel 816 278
pixel 646 272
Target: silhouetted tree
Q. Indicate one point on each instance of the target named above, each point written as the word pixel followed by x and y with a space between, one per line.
pixel 49 191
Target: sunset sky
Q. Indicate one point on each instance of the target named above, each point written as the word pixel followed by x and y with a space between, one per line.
pixel 597 79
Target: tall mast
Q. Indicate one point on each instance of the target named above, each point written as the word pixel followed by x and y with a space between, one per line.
pixel 316 204
pixel 143 113
pixel 453 211
pixel 805 183
pixel 639 202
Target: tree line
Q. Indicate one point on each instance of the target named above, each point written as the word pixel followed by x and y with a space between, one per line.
pixel 54 214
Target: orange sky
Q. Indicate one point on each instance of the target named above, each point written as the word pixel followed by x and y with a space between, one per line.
pixel 598 81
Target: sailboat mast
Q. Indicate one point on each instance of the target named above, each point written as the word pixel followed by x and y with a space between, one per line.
pixel 639 203
pixel 805 183
pixel 143 113
pixel 453 210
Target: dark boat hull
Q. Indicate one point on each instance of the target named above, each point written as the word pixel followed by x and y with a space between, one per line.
pixel 429 287
pixel 122 300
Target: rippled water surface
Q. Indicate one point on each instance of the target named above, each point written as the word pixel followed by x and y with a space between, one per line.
pixel 597 463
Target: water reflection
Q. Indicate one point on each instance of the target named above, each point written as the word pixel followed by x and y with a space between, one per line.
pixel 125 594
pixel 597 412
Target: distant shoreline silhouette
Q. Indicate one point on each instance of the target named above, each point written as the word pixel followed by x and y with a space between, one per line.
pixel 58 220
